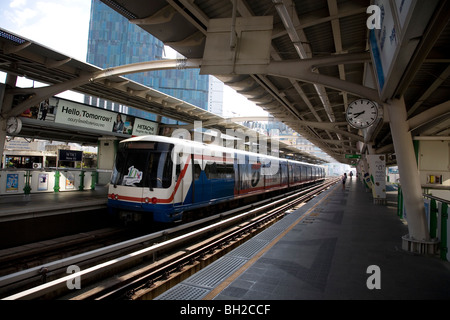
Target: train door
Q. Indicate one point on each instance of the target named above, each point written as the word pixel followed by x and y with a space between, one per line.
pixel 198 176
pixel 183 178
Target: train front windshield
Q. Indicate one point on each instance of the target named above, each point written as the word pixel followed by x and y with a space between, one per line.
pixel 143 164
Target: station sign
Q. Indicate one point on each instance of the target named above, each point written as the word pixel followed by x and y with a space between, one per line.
pixel 70 155
pixel 395 37
pixel 352 156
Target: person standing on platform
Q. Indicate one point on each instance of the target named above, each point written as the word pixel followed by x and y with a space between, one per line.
pixel 44 109
pixel 344 178
pixel 351 175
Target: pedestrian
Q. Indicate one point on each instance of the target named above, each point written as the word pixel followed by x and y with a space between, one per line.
pixel 44 109
pixel 351 175
pixel 344 178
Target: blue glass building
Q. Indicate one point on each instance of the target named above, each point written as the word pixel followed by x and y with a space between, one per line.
pixel 114 41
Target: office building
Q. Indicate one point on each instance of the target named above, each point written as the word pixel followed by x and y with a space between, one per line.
pixel 114 41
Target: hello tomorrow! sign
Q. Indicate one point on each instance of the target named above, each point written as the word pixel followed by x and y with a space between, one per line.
pixel 76 114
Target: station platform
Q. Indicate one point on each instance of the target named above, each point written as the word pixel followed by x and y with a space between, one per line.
pixel 36 205
pixel 324 251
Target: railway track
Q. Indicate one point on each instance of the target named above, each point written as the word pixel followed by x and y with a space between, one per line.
pixel 144 267
pixel 31 255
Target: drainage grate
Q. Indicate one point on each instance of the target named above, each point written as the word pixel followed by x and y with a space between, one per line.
pixel 216 273
pixel 270 234
pixel 183 292
pixel 250 248
pixel 201 283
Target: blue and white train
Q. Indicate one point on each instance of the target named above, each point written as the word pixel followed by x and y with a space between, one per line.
pixel 162 178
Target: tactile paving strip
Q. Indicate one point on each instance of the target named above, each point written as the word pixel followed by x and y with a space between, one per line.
pixel 248 251
pixel 215 273
pixel 184 292
pixel 200 284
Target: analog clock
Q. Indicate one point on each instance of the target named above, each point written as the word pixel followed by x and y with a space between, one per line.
pixel 362 113
pixel 13 125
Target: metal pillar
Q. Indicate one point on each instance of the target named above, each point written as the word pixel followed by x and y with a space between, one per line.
pixel 5 107
pixel 2 140
pixel 409 175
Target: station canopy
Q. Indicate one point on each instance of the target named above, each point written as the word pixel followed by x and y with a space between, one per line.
pixel 303 61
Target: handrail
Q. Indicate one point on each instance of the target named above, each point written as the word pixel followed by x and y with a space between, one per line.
pixel 436 198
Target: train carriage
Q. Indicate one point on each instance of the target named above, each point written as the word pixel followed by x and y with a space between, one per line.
pixel 163 177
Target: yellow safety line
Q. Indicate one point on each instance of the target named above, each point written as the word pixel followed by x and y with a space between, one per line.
pixel 236 274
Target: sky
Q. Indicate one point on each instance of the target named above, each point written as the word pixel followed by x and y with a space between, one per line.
pixel 63 26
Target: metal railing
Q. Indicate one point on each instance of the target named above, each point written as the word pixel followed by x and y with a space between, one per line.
pixel 26 181
pixel 436 210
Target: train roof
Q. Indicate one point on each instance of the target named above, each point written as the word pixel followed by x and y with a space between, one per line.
pixel 201 146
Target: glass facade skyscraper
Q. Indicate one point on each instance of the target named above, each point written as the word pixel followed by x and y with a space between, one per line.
pixel 114 41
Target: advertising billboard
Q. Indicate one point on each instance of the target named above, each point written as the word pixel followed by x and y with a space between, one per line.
pixel 71 113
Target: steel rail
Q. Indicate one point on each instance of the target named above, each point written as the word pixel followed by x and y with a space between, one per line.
pixel 90 272
pixel 64 263
pixel 128 288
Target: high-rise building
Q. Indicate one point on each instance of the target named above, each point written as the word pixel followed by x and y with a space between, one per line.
pixel 113 41
pixel 215 96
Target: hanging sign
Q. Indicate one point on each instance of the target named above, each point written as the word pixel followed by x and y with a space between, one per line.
pixel 70 155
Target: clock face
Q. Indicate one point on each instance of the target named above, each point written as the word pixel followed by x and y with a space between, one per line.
pixel 13 125
pixel 362 113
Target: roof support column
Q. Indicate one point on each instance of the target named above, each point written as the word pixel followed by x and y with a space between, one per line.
pixel 5 107
pixel 2 139
pixel 409 175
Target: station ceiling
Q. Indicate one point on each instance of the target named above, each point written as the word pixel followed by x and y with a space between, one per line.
pixel 23 57
pixel 332 30
pixel 305 29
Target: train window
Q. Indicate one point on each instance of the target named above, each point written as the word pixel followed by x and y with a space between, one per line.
pixel 197 171
pixel 177 171
pixel 284 173
pixel 143 167
pixel 142 145
pixel 225 171
pixel 211 170
pixel 165 165
pixel 219 170
pixel 304 173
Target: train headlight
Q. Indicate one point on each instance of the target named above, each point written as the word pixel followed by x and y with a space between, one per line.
pixel 146 200
pixel 116 196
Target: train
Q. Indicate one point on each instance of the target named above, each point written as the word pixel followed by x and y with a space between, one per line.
pixel 165 179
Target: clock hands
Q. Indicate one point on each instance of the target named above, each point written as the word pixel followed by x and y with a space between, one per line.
pixel 358 114
pixel 365 116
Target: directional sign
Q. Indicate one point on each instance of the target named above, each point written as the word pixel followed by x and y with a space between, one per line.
pixel 394 41
pixel 70 155
pixel 352 156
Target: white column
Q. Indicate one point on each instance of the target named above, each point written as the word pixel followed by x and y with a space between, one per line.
pixel 2 139
pixel 407 166
pixel 5 107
